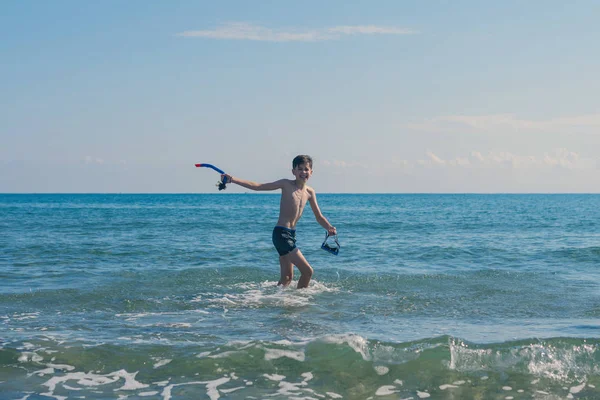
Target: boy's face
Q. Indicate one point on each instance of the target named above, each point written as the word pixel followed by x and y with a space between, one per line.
pixel 302 172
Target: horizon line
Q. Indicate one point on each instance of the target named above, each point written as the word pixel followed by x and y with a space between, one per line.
pixel 320 193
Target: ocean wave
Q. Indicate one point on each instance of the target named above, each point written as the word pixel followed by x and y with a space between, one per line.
pixel 578 254
pixel 344 365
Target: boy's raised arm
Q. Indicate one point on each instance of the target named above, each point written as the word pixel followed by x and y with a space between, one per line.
pixel 254 185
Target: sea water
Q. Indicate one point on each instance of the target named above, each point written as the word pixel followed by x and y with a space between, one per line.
pixel 175 297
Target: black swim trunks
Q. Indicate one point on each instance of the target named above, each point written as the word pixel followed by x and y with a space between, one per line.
pixel 284 240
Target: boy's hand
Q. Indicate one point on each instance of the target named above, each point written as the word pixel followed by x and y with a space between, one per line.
pixel 332 231
pixel 226 178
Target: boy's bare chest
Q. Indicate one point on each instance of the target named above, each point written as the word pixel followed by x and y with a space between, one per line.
pixel 295 198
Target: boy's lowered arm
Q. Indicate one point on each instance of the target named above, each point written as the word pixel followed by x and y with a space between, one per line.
pixel 318 215
pixel 255 185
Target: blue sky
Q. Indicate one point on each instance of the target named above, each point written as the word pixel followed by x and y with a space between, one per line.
pixel 387 96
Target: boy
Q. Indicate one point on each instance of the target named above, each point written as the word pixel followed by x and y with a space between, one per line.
pixel 294 195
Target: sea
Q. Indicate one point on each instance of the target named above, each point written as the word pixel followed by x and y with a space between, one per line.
pixel 175 296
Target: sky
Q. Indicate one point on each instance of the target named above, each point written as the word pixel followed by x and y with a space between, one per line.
pixel 399 96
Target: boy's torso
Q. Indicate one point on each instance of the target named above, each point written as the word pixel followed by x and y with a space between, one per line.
pixel 293 201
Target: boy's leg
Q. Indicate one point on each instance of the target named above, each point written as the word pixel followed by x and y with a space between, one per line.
pixel 287 270
pixel 306 271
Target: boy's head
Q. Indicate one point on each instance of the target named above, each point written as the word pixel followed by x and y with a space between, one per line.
pixel 302 168
pixel 302 159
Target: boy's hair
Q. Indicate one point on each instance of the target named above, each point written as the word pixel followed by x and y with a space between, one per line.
pixel 302 159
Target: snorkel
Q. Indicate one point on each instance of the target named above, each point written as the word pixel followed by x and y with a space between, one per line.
pixel 223 182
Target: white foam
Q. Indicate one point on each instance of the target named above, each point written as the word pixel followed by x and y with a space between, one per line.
pixel 146 394
pixel 447 386
pixel 61 366
pixel 506 388
pixel 242 344
pixel 542 360
pixel 27 356
pixel 83 379
pixel 274 377
pixel 423 395
pixel 134 317
pixel 166 393
pixel 130 382
pixel 356 342
pixel 211 388
pixel 161 362
pixel 287 389
pixel 25 316
pixel 381 370
pixel 176 325
pixel 91 380
pixel 227 300
pixel 232 389
pixel 225 354
pixel 559 363
pixel 273 354
pixel 334 395
pixel 45 371
pixel 577 389
pixel 385 390
pixel 307 376
pixel 266 293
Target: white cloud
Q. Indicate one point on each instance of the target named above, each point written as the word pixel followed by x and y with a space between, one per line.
pixel 246 31
pixel 371 30
pixel 568 159
pixel 93 160
pixel 344 164
pixel 435 159
pixel 560 158
pixel 506 121
pixel 477 155
pixel 557 158
pixel 401 163
pixel 461 162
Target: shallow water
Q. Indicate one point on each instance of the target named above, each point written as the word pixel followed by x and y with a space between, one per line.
pixel 175 297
